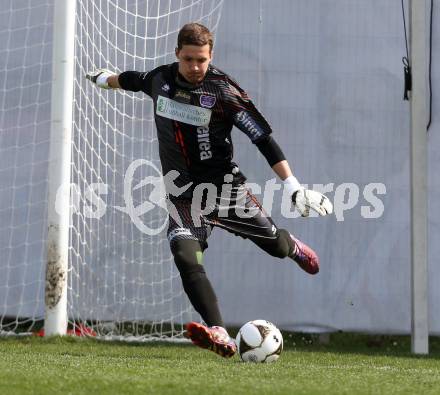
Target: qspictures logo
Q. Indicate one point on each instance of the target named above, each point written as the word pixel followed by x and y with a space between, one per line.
pixel 153 191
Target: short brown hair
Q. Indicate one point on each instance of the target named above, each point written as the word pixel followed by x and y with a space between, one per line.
pixel 194 34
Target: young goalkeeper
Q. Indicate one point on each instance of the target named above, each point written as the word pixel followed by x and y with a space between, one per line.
pixel 196 106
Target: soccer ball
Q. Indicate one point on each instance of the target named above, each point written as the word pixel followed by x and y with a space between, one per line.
pixel 259 341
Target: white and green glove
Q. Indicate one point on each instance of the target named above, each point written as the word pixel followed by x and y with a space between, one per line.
pixel 99 77
pixel 306 199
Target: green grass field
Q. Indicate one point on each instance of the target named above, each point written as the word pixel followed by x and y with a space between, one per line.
pixel 350 364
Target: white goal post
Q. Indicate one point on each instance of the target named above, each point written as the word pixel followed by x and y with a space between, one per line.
pixel 419 180
pixel 59 168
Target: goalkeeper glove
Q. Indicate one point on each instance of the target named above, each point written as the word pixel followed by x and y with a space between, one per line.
pixel 99 77
pixel 306 199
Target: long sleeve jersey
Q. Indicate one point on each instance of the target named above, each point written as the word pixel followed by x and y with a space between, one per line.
pixel 194 123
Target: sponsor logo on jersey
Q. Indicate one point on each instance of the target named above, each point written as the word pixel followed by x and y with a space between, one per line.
pixel 182 95
pixel 207 101
pixel 165 88
pixel 245 121
pixel 186 113
pixel 204 143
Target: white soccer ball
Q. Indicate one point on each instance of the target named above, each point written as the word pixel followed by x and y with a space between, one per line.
pixel 259 341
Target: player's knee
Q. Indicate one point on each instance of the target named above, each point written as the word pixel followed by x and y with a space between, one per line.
pixel 191 273
pixel 282 245
pixel 186 253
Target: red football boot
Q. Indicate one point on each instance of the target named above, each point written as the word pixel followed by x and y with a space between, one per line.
pixel 213 338
pixel 305 257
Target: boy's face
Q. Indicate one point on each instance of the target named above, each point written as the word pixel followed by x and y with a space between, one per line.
pixel 193 62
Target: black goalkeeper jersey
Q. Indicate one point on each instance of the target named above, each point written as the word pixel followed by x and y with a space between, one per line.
pixel 194 123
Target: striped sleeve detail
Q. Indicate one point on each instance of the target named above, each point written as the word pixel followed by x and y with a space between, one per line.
pixel 245 116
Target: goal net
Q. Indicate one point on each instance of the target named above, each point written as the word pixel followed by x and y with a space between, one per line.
pixel 121 279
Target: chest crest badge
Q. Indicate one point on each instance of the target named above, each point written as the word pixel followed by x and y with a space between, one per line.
pixel 207 101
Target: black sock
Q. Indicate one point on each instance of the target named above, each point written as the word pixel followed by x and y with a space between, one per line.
pixel 196 284
pixel 281 247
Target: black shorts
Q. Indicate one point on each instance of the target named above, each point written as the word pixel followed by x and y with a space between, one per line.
pixel 240 213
